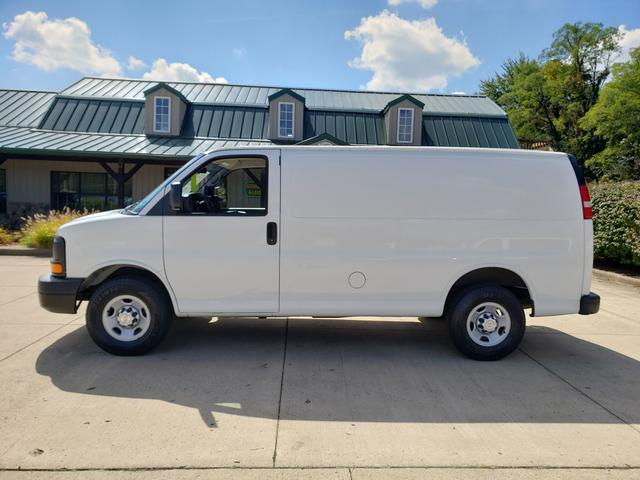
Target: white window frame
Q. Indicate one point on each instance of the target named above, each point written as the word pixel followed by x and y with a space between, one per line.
pixel 412 126
pixel 293 120
pixel 155 108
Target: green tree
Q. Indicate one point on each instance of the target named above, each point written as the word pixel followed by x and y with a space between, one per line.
pixel 615 118
pixel 518 89
pixel 589 49
pixel 547 98
pixel 502 84
pixel 531 94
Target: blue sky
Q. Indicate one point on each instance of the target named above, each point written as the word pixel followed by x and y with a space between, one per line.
pixel 397 44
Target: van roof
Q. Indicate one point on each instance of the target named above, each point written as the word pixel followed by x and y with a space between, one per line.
pixel 394 148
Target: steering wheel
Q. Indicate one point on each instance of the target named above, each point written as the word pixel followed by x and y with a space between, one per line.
pixel 212 202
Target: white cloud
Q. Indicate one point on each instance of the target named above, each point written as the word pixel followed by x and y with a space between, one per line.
pixel 630 40
pixel 426 4
pixel 135 64
pixel 458 93
pixel 52 44
pixel 408 54
pixel 178 72
pixel 58 43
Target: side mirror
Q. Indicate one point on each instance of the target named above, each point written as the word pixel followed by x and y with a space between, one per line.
pixel 175 197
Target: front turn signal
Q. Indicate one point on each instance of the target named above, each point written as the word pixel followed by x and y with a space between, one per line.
pixel 57 269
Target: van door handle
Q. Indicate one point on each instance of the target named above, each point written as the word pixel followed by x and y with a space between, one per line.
pixel 272 233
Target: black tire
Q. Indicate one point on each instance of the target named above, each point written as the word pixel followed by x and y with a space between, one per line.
pixel 462 306
pixel 160 314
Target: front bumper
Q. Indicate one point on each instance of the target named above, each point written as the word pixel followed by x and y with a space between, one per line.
pixel 58 295
pixel 589 304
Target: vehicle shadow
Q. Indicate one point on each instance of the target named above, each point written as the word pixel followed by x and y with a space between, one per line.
pixel 355 370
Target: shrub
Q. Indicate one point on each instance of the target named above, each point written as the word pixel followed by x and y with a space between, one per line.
pixel 7 237
pixel 616 222
pixel 38 231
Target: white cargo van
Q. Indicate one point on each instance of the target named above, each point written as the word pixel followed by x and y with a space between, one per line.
pixel 472 235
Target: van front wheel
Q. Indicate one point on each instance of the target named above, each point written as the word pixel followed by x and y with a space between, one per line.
pixel 128 316
pixel 486 323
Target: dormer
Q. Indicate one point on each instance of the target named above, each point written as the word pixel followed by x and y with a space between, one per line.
pixel 286 116
pixel 164 108
pixel 403 121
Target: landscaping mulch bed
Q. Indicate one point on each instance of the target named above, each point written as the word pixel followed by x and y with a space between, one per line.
pixel 20 250
pixel 628 270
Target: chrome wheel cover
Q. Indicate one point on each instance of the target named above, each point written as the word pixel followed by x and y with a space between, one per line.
pixel 126 318
pixel 488 324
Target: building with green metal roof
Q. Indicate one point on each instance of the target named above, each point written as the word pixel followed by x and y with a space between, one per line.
pixel 101 142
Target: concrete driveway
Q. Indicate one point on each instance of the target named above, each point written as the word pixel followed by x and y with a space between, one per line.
pixel 322 398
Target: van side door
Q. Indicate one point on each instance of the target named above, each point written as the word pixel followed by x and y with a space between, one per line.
pixel 222 250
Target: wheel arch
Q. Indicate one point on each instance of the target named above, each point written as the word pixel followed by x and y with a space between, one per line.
pixel 105 273
pixel 493 275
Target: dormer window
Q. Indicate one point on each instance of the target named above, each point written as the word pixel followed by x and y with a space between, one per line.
pixel 161 115
pixel 405 125
pixel 285 120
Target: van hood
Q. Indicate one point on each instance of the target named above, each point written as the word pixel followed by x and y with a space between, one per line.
pixel 94 217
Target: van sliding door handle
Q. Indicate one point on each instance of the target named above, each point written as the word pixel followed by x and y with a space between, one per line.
pixel 272 233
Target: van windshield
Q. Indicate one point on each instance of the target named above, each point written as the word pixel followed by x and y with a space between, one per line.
pixel 137 207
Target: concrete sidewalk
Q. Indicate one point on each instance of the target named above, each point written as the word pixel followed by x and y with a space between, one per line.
pixel 333 474
pixel 322 398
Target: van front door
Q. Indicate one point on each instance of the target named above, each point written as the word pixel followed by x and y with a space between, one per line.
pixel 222 251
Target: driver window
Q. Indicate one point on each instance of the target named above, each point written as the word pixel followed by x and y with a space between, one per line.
pixel 228 186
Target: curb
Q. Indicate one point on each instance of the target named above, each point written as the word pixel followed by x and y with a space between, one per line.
pixel 616 277
pixel 18 250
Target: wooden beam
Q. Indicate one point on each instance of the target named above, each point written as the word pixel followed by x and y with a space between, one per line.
pixel 120 181
pixel 133 171
pixel 119 177
pixel 108 169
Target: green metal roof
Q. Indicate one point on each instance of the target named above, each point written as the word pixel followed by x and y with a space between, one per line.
pixel 443 131
pixel 250 123
pixel 34 141
pixel 101 116
pixel 258 96
pixel 468 132
pixel 105 117
pixel 350 127
pixel 22 108
pixel 226 122
pixel 127 117
pixel 354 129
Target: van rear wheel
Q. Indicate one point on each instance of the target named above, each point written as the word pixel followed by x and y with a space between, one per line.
pixel 486 323
pixel 128 316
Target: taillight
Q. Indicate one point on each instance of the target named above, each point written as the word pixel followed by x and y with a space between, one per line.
pixel 587 212
pixel 585 199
